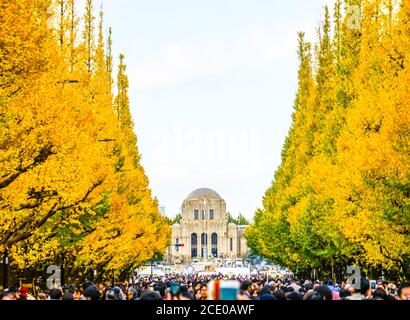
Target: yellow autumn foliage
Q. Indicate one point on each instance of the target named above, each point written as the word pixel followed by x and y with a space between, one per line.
pixel 342 192
pixel 70 177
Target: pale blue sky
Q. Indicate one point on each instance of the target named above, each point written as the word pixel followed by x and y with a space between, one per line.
pixel 212 85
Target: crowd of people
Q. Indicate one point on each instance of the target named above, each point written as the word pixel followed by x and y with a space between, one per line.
pixel 195 287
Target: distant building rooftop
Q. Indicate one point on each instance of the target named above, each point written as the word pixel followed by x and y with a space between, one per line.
pixel 201 193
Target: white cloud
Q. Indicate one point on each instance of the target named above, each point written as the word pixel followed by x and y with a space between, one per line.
pixel 179 63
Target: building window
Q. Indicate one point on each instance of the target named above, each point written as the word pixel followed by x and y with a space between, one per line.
pixel 194 253
pixel 231 244
pixel 203 214
pixel 204 240
pixel 194 245
pixel 196 212
pixel 204 244
pixel 211 214
pixel 214 245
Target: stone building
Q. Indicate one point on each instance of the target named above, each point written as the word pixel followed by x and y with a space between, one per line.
pixel 204 230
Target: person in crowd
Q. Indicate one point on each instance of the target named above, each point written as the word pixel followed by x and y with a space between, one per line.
pixel 344 294
pixel 391 289
pixel 404 291
pixel 294 285
pixel 42 296
pixel 363 292
pixel 109 294
pixel 131 294
pixel 92 293
pixel 325 292
pixel 76 295
pixel 332 286
pixel 151 295
pixel 379 294
pixel 22 293
pixel 267 296
pixel 67 295
pixel 118 294
pixel 195 287
pixel 8 296
pixel 56 294
pixel 279 294
pixel 202 294
pixel 185 294
pixel 245 289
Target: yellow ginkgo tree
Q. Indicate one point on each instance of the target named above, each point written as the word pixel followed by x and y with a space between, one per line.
pixel 70 172
pixel 341 194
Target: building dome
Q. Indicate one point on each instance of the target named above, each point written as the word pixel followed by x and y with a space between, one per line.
pixel 201 193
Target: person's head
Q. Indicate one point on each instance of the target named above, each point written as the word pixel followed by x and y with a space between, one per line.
pixel 42 296
pixel 324 292
pixel 293 295
pixel 151 295
pixel 185 293
pixel 364 287
pixel 246 286
pixel 308 285
pixel 266 290
pixel 67 296
pixel 254 286
pixel 88 284
pixel 117 290
pixel 56 294
pixel 204 291
pixel 267 296
pixel 160 288
pixel 404 291
pixel 110 295
pixel 391 289
pixel 13 289
pixel 92 293
pixel 197 286
pixel 130 295
pixel 8 296
pixel 279 295
pixel 344 293
pixel 183 289
pixel 76 295
pixel 313 295
pixel 71 288
pixel 379 294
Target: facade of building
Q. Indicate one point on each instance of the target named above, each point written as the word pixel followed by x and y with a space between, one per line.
pixel 204 230
pixel 162 210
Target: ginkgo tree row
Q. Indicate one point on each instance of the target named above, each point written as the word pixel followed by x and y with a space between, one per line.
pixel 341 195
pixel 72 188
